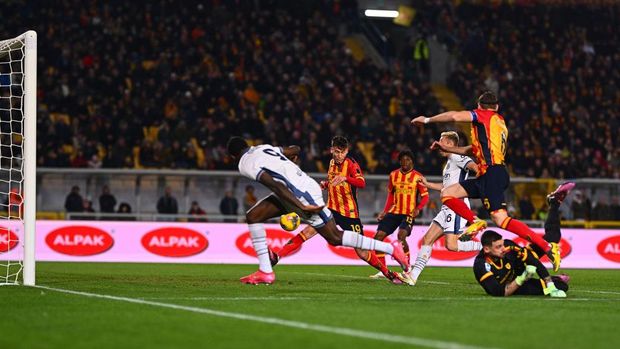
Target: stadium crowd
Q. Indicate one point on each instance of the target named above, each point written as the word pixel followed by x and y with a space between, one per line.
pixel 559 77
pixel 158 85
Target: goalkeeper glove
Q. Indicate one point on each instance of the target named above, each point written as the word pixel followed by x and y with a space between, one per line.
pixel 531 271
pixel 522 278
pixel 554 292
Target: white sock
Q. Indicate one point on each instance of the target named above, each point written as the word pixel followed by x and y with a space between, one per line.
pixel 259 241
pixel 355 240
pixel 420 262
pixel 465 246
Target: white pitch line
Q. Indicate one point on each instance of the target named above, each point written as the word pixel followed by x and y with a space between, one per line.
pixel 205 298
pixel 413 341
pixel 385 298
pixel 601 292
pixel 362 277
pixel 437 282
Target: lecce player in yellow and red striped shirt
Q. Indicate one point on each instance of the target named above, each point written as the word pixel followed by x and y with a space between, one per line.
pixel 401 206
pixel 344 178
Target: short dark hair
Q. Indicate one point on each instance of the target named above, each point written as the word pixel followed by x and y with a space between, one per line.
pixel 340 142
pixel 236 145
pixel 404 153
pixel 489 237
pixel 488 100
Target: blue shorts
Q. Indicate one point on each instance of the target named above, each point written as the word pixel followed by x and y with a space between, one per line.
pixel 489 187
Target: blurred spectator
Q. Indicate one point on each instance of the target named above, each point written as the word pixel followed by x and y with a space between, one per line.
pixel 541 214
pixel 133 82
pixel 197 213
pixel 526 208
pixel 229 206
pixel 14 204
pixel 615 208
pixel 88 208
pixel 601 211
pixel 107 201
pixel 580 206
pixel 167 204
pixel 249 199
pixel 125 210
pixel 559 95
pixel 95 162
pixel 74 201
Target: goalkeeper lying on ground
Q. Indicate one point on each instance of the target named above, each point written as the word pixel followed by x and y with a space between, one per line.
pixel 503 268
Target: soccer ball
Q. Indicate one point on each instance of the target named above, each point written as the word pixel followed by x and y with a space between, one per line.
pixel 290 221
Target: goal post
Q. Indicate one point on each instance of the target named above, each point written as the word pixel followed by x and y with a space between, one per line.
pixel 18 108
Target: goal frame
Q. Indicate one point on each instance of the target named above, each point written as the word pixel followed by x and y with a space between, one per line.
pixel 30 156
pixel 29 139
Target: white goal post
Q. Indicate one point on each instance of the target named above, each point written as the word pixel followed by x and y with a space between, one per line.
pixel 18 134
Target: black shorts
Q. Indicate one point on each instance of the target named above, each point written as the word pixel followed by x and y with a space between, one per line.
pixel 489 187
pixel 391 221
pixel 347 223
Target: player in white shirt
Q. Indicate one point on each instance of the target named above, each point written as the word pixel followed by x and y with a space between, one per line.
pixel 293 191
pixel 457 168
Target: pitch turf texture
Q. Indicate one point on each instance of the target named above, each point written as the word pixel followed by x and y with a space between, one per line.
pixel 100 305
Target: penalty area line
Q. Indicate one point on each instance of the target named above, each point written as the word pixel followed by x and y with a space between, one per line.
pixel 385 337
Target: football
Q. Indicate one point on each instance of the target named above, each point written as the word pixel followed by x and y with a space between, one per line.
pixel 290 221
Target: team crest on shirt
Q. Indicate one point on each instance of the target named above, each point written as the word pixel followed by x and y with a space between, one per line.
pixel 487 266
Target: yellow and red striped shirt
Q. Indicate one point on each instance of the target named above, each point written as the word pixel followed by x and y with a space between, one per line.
pixel 489 137
pixel 342 198
pixel 405 187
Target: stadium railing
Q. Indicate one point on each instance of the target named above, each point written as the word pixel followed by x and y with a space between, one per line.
pixel 142 188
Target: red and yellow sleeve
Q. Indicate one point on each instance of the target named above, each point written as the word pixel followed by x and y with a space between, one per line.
pixel 355 176
pixel 390 198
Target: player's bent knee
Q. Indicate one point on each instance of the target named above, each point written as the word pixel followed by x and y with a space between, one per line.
pixel 498 217
pixel 380 236
pixel 452 246
pixel 253 216
pixel 427 240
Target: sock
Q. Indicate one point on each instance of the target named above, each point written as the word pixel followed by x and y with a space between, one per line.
pixel 292 245
pixel 420 262
pixel 552 223
pixel 465 246
pixel 374 261
pixel 522 230
pixel 351 239
pixel 459 207
pixel 259 241
pixel 408 254
pixel 381 258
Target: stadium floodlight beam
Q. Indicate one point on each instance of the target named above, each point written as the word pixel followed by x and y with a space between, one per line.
pixel 381 13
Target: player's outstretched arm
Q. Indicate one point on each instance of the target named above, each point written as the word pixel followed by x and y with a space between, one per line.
pixel 283 193
pixel 472 166
pixel 449 116
pixel 467 150
pixel 430 185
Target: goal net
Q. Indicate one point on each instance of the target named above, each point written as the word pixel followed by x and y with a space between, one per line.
pixel 17 158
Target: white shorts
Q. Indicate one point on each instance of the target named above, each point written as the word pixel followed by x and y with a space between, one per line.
pixel 311 194
pixel 450 222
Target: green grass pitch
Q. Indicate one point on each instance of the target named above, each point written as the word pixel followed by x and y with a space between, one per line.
pixel 204 306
